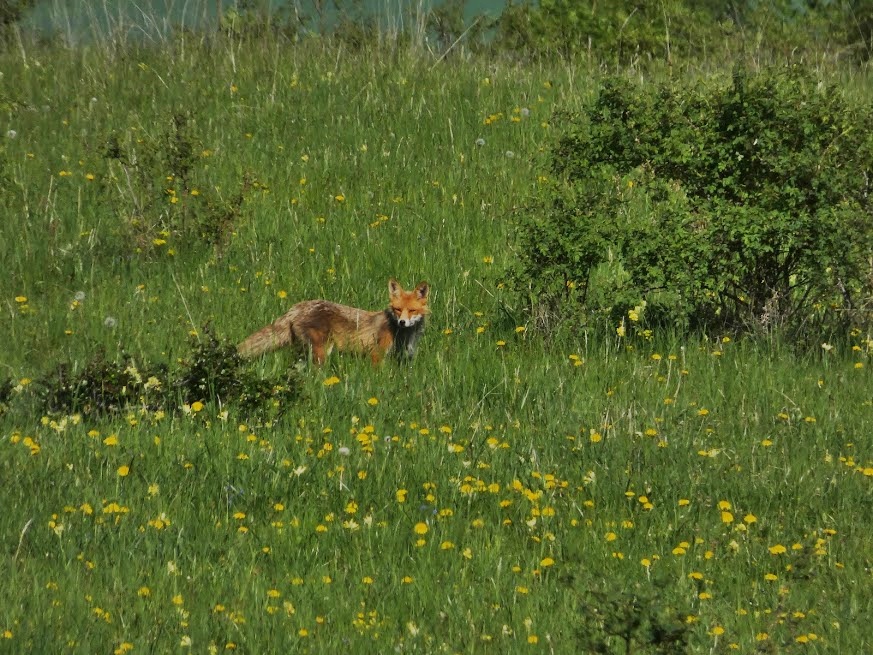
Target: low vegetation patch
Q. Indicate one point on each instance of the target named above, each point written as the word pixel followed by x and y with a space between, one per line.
pixel 211 373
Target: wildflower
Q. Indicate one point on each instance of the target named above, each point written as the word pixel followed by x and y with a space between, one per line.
pixel 778 549
pixel 420 528
pixel 329 382
pixel 110 322
pixel 11 134
pixel 480 142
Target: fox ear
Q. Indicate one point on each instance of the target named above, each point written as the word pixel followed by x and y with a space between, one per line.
pixel 422 290
pixel 394 287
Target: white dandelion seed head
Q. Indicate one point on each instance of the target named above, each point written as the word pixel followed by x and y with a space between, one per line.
pixel 11 134
pixel 509 154
pixel 480 142
pixel 525 112
pixel 79 296
pixel 110 322
pixel 343 450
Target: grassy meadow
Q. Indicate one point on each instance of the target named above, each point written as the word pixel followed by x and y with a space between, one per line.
pixel 505 492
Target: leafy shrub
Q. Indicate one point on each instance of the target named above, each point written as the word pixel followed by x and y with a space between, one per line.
pixel 740 205
pixel 11 11
pixel 6 387
pixel 211 372
pixel 214 370
pixel 611 30
pixel 163 202
pixel 680 31
pixel 641 620
pixel 102 386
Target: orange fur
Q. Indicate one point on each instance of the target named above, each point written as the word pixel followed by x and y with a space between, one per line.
pixel 321 325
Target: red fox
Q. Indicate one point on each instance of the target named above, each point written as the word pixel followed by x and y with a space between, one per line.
pixel 319 325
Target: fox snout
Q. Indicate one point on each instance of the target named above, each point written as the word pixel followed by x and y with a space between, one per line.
pixel 408 322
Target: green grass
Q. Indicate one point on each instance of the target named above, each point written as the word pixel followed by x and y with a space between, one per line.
pixel 505 492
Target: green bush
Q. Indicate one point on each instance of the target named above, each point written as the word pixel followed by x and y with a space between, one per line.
pixel 212 372
pixel 11 11
pixel 741 205
pixel 684 32
pixel 168 194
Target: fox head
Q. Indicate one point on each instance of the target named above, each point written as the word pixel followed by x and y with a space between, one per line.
pixel 408 307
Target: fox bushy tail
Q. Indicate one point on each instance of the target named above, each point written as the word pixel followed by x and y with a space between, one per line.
pixel 267 339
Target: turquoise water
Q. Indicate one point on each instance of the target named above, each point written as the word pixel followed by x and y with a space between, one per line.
pixel 78 20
